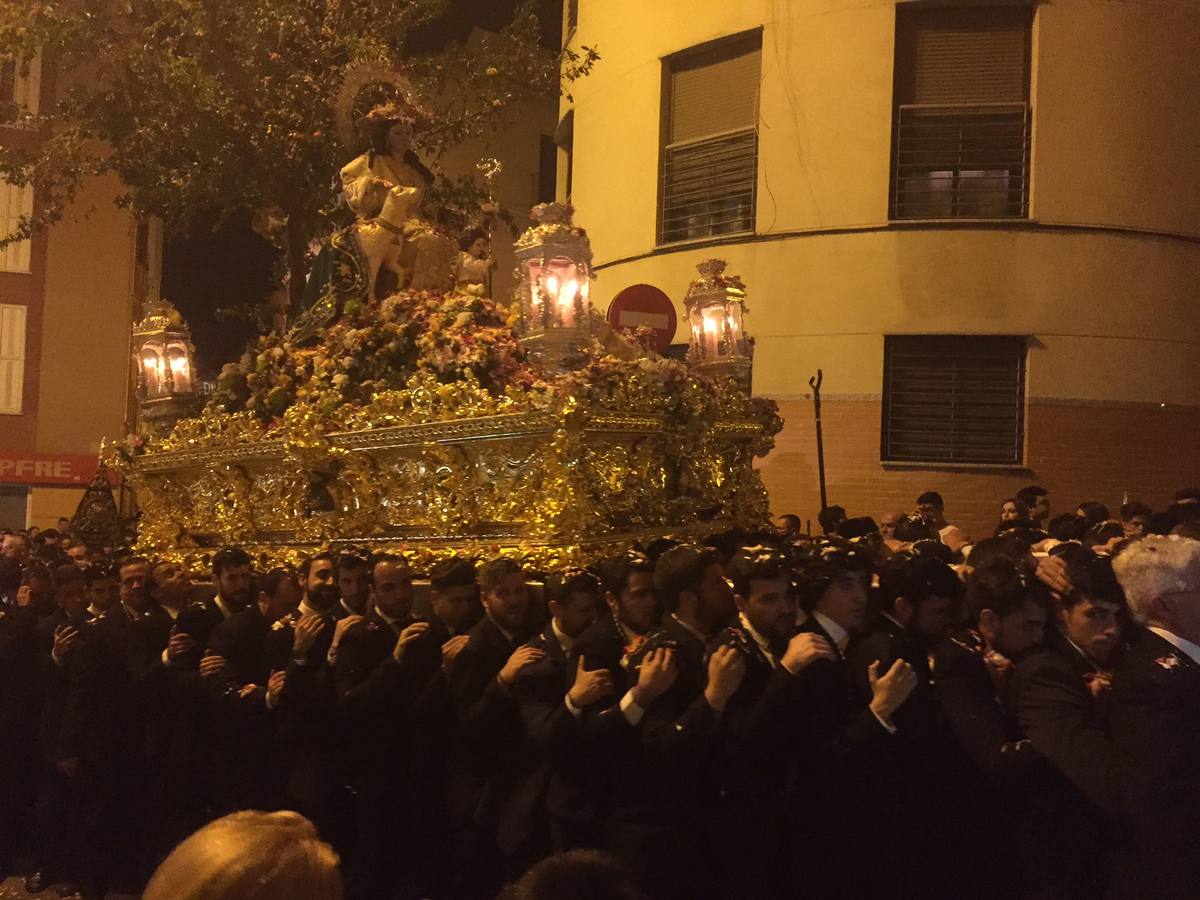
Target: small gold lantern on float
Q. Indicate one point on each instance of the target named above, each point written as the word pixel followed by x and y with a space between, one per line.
pixel 164 360
pixel 554 272
pixel 716 310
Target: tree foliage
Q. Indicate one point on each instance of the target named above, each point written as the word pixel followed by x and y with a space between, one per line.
pixel 208 108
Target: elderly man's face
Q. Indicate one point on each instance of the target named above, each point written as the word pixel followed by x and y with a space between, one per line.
pixel 15 547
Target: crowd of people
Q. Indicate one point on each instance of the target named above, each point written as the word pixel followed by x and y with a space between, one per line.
pixel 886 709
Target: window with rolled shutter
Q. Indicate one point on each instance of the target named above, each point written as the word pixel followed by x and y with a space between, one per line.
pixel 12 358
pixel 710 151
pixel 962 116
pixel 953 399
pixel 15 203
pixel 20 85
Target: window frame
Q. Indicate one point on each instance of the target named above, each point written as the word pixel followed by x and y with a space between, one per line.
pixel 752 42
pixel 984 132
pixel 14 311
pixel 971 347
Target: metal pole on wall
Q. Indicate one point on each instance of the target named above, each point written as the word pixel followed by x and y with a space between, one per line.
pixel 815 384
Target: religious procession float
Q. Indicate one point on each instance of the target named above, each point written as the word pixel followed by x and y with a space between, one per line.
pixel 406 410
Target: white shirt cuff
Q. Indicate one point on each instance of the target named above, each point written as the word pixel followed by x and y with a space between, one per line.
pixel 571 707
pixel 891 729
pixel 630 710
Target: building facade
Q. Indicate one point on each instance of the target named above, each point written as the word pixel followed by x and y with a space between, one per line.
pixel 66 306
pixel 979 220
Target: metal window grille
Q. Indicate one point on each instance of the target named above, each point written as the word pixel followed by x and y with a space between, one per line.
pixel 709 160
pixel 961 161
pixel 953 399
pixel 708 187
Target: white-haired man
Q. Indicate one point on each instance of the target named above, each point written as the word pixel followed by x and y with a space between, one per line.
pixel 1155 716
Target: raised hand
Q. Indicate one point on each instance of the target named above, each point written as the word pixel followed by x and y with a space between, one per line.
pixel 180 644
pixel 342 626
pixel 308 629
pixel 726 669
pixel 1052 572
pixel 590 686
pixel 406 637
pixel 890 690
pixel 65 637
pixel 275 686
pixel 658 672
pixel 804 649
pixel 451 649
pixel 211 665
pixel 521 657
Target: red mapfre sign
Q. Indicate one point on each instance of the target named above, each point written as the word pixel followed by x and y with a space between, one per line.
pixel 45 468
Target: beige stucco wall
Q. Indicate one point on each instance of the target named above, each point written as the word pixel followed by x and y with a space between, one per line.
pixel 85 337
pixel 1109 299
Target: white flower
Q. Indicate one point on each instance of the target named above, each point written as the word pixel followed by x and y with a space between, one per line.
pixel 340 380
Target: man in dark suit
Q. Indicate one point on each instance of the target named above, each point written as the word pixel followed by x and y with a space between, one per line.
pixel 999 771
pixel 243 698
pixel 23 658
pixel 233 574
pixel 375 690
pixel 1154 716
pixel 579 798
pixel 488 725
pixel 550 709
pixel 751 764
pixel 920 600
pixel 1058 692
pixel 836 732
pixel 661 784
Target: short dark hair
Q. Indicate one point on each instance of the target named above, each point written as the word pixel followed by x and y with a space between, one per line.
pixel 272 581
pixel 819 564
pixel 792 519
pixel 492 572
pixel 615 571
pixel 352 561
pixel 681 569
pixel 379 559
pixel 227 558
pixel 911 528
pixel 1094 512
pixel 916 577
pixel 1091 578
pixel 829 517
pixel 452 572
pixel 859 526
pixel 933 498
pixel 1134 508
pixel 99 571
pixel 306 566
pixel 1161 522
pixel 1103 533
pixel 561 585
pixel 1029 495
pixel 134 561
pixel 68 574
pixel 1067 527
pixel 1001 586
pixel 1011 545
pixel 756 564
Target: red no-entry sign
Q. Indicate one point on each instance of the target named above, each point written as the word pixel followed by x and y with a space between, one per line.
pixel 644 304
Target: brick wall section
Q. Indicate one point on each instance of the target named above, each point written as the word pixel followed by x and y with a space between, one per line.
pixel 1078 452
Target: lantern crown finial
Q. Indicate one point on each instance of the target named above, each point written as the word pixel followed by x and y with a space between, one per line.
pixel 711 268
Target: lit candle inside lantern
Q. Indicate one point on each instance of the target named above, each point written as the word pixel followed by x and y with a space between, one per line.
pixel 711 336
pixel 566 302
